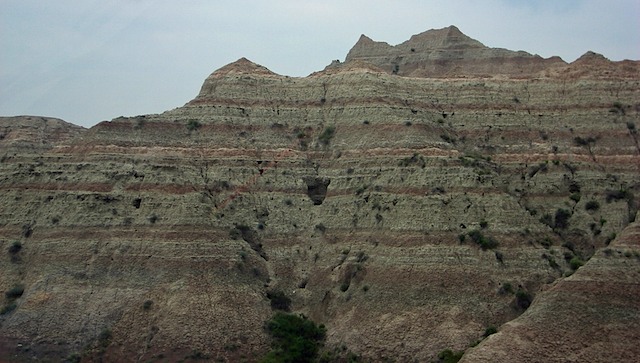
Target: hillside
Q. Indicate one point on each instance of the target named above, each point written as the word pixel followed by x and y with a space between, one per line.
pixel 406 211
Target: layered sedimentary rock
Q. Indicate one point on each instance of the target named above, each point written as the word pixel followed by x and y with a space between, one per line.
pixel 447 52
pixel 406 214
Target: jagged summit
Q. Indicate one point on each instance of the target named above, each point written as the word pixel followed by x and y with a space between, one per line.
pixel 448 52
pixel 380 206
pixel 595 65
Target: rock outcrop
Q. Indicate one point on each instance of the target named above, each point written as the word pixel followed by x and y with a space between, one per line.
pixel 448 52
pixel 407 214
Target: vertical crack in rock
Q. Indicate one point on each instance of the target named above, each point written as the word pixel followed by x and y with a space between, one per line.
pixel 317 188
pixel 251 237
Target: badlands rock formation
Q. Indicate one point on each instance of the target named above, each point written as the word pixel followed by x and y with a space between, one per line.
pixel 410 215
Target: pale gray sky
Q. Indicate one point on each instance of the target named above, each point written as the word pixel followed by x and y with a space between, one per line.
pixel 93 60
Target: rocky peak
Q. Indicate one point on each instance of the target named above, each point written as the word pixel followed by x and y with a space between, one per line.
pixel 448 52
pixel 380 206
pixel 595 65
pixel 592 57
pixel 449 37
pixel 242 66
pixel 35 132
pixel 366 47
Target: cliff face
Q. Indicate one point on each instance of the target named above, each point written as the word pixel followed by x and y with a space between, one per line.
pixel 406 214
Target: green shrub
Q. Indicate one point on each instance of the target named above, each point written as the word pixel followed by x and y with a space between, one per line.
pixel 15 292
pixel 575 197
pixel 562 219
pixel 74 358
pixel 592 206
pixel 344 286
pixel 617 195
pixel 506 288
pixel 104 339
pixel 523 299
pixel 15 247
pixel 617 107
pixel 547 219
pixel 579 141
pixel 575 262
pixel 147 304
pixel 193 125
pixel 327 134
pixel 486 243
pixel 296 339
pixel 8 308
pixel 198 355
pixel 489 331
pixel 449 356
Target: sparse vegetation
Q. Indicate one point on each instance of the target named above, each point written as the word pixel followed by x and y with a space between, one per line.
pixel 579 141
pixel 449 139
pixel 193 125
pixel 8 308
pixel 415 159
pixel 592 206
pixel 506 288
pixel 327 134
pixel 575 262
pixel 279 301
pixel 617 195
pixel 15 292
pixel 617 108
pixel 490 331
pixel 147 304
pixel 486 243
pixel 153 218
pixel 575 197
pixel 449 356
pixel 15 247
pixel 523 299
pixel 562 219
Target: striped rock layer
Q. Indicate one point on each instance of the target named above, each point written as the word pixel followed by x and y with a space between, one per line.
pixel 407 215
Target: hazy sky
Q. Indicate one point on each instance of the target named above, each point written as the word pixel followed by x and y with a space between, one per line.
pixel 92 60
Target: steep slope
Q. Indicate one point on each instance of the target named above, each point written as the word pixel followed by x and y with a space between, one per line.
pixel 403 213
pixel 592 316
